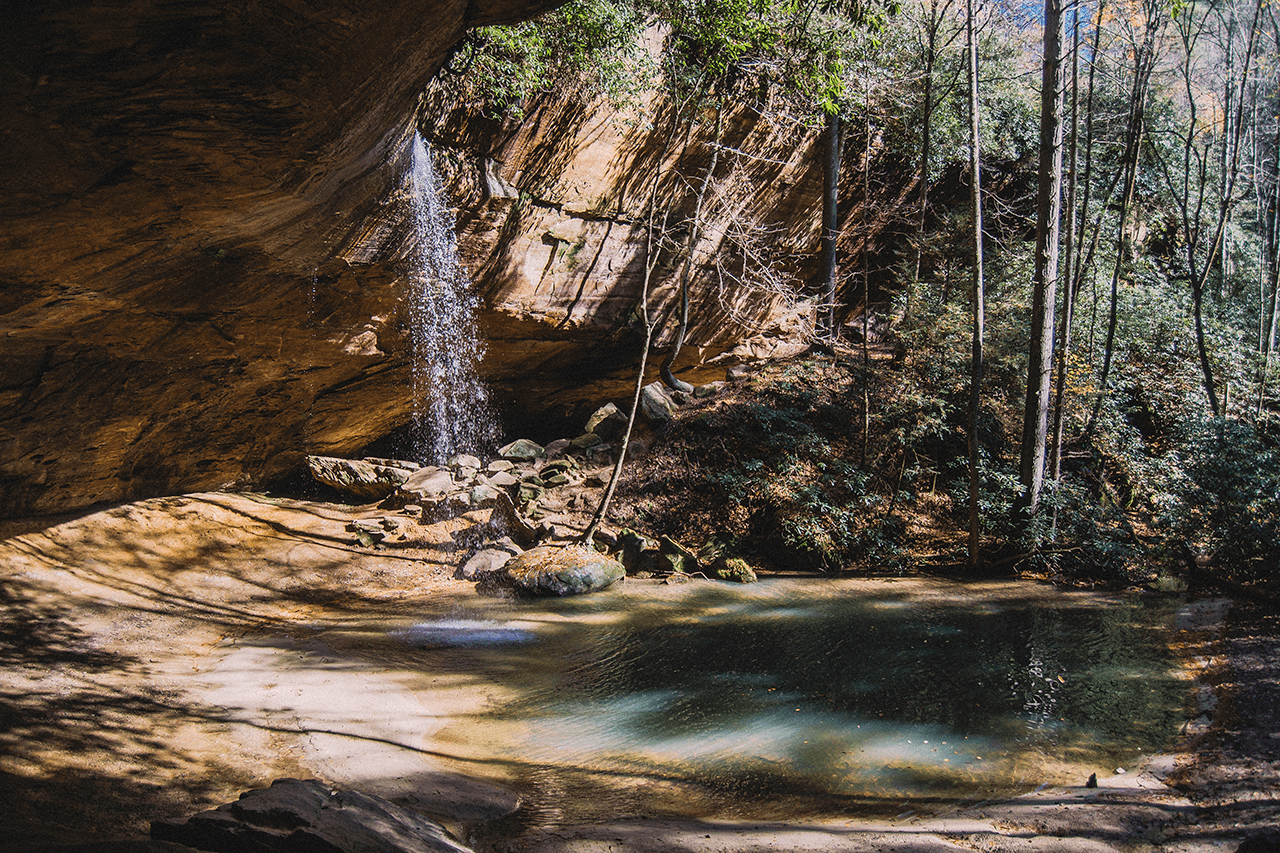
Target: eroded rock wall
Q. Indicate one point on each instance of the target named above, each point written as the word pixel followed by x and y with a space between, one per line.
pixel 179 182
pixel 200 225
pixel 553 220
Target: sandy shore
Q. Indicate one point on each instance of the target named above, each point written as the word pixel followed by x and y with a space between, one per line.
pixel 135 686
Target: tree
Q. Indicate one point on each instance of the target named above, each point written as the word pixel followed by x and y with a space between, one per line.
pixel 1069 291
pixel 1143 63
pixel 830 226
pixel 1045 282
pixel 979 297
pixel 1203 234
pixel 936 40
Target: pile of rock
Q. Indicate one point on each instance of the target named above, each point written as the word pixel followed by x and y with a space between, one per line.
pixel 533 494
pixel 644 556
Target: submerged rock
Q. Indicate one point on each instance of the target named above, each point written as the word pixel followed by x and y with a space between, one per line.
pixel 551 570
pixel 295 815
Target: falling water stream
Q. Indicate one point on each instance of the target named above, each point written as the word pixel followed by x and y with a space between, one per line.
pixel 451 412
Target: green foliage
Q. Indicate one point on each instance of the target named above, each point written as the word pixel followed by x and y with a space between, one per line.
pixel 794 471
pixel 1221 494
pixel 592 45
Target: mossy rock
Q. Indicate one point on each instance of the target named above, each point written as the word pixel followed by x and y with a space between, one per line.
pixel 555 571
pixel 734 569
pixel 639 553
pixel 678 557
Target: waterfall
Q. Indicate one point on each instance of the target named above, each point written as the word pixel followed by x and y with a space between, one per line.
pixel 451 412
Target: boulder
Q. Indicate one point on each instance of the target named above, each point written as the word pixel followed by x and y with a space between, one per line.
pixel 506 517
pixel 558 448
pixel 429 482
pixel 708 390
pixel 482 495
pixel 677 556
pixel 502 479
pixel 463 461
pixel 607 422
pixel 357 478
pixel 586 440
pixel 554 571
pixel 566 465
pixel 392 463
pixel 369 533
pixel 656 403
pixel 522 450
pixel 294 815
pixel 734 569
pixel 639 552
pixel 484 562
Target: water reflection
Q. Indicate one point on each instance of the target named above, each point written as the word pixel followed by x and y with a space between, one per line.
pixel 791 697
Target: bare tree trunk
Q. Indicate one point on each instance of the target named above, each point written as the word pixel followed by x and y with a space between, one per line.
pixel 1068 292
pixel 1269 292
pixel 653 233
pixel 1035 419
pixel 1193 226
pixel 830 227
pixel 866 272
pixel 1129 165
pixel 979 298
pixel 926 138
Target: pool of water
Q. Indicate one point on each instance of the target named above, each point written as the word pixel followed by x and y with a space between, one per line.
pixel 797 697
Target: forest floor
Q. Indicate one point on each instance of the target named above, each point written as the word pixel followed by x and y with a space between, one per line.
pixel 127 694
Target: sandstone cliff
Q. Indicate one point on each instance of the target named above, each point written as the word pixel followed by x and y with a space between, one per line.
pixel 177 178
pixel 200 232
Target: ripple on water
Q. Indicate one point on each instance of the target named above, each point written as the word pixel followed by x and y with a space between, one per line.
pixel 858 697
pixel 463 634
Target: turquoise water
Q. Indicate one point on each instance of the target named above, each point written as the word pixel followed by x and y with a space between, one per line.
pixel 813 697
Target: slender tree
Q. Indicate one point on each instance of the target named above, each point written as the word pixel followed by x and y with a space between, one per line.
pixel 1135 123
pixel 831 152
pixel 1203 234
pixel 693 235
pixel 979 298
pixel 935 42
pixel 1044 284
pixel 1068 292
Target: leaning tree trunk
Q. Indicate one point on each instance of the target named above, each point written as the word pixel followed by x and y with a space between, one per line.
pixel 830 227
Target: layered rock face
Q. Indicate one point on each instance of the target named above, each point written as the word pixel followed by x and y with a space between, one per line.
pixel 202 225
pixel 181 185
pixel 554 222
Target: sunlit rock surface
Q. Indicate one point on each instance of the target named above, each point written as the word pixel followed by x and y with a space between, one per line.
pixel 182 191
pixel 201 215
